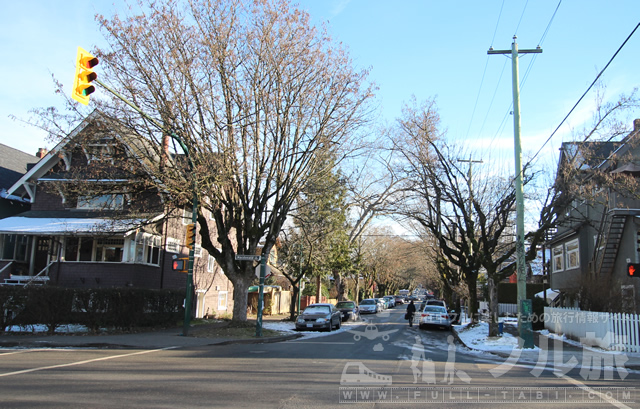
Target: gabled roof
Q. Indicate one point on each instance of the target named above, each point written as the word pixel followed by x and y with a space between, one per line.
pixel 13 165
pixel 137 146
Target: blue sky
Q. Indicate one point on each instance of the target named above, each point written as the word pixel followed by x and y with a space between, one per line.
pixel 424 48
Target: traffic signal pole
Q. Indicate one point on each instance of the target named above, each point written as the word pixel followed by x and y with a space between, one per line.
pixel 524 305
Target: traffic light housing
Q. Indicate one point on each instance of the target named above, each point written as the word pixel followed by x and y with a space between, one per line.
pixel 633 269
pixel 191 235
pixel 180 264
pixel 82 87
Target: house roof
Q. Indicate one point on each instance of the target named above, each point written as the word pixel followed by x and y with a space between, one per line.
pixel 140 148
pixel 64 223
pixel 13 164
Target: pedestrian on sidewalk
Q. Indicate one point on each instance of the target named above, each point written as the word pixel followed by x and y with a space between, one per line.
pixel 411 310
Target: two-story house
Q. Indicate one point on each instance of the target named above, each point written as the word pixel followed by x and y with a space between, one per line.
pixel 96 220
pixel 599 229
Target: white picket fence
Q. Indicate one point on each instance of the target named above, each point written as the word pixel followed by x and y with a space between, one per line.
pixel 614 332
pixel 508 309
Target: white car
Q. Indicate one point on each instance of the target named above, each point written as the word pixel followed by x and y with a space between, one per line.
pixel 434 315
pixel 368 306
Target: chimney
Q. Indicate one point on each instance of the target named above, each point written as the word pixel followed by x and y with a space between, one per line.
pixel 41 153
pixel 636 125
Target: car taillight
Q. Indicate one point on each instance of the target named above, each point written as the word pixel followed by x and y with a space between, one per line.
pixel 424 315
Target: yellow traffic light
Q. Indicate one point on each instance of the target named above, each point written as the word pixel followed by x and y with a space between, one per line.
pixel 191 235
pixel 82 87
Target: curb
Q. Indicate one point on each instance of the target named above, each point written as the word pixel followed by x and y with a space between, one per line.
pixel 268 340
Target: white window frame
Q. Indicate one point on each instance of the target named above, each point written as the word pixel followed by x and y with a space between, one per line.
pixel 141 249
pixel 211 264
pixel 222 300
pixel 572 251
pixel 557 256
pixel 101 202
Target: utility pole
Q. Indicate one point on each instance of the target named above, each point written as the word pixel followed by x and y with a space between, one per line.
pixel 524 305
pixel 469 180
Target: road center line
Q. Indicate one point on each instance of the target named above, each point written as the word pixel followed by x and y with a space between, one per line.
pixel 44 368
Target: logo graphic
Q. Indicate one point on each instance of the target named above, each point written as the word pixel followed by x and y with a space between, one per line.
pixel 356 373
pixel 371 332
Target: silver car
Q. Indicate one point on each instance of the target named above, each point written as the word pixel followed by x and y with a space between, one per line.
pixel 434 315
pixel 368 306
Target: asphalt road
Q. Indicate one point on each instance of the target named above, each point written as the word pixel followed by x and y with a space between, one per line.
pixel 381 363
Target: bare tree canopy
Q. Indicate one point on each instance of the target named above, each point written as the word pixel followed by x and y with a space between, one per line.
pixel 258 96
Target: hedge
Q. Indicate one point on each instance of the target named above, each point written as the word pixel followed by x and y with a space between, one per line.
pixel 119 308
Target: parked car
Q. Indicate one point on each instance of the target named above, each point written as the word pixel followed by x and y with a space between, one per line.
pixel 369 306
pixel 399 299
pixel 391 300
pixel 383 305
pixel 319 316
pixel 439 303
pixel 434 315
pixel 349 310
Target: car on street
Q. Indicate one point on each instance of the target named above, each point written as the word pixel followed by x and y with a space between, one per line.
pixel 349 310
pixel 319 316
pixel 391 300
pixel 439 303
pixel 434 315
pixel 399 299
pixel 369 306
pixel 382 303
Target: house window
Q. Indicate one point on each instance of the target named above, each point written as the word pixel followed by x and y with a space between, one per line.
pixel 100 152
pixel 211 265
pixel 222 300
pixel 102 202
pixel 78 249
pixel 109 250
pixel 145 249
pixel 573 254
pixel 558 259
pixel 15 247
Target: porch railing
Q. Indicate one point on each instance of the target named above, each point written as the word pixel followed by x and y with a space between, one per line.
pixel 40 277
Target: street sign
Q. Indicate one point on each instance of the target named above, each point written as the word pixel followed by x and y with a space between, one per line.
pixel 247 257
pixel 267 271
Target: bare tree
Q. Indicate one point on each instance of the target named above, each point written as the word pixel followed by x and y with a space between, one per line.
pixel 258 97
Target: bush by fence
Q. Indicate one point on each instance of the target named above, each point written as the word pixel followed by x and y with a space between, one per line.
pixel 120 308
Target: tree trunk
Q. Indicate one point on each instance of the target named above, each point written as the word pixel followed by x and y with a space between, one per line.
pixel 473 298
pixel 493 308
pixel 294 301
pixel 240 295
pixel 318 289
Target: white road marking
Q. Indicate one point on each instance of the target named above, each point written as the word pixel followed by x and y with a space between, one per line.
pixel 44 368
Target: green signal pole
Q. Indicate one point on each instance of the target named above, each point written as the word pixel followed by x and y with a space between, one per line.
pixel 524 309
pixel 263 273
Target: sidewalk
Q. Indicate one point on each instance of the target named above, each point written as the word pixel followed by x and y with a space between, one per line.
pixel 152 339
pixel 569 349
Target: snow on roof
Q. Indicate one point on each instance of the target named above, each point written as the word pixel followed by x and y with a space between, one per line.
pixel 66 226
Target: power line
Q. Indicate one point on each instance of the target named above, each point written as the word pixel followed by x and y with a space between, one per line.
pixel 585 93
pixel 486 64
